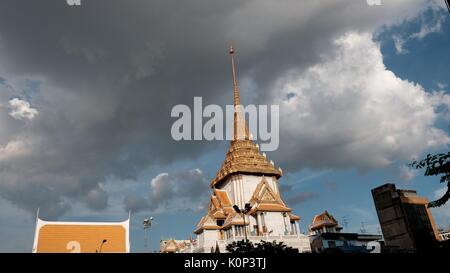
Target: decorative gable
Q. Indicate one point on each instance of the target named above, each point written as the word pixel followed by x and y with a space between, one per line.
pixel 265 194
pixel 266 199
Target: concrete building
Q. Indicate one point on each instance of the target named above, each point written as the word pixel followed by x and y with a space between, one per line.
pixel 444 235
pixel 326 236
pixel 405 219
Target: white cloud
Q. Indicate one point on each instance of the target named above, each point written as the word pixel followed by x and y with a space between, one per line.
pixel 427 26
pixel 21 109
pixel 12 149
pixel 442 214
pixel 399 44
pixel 407 174
pixel 440 192
pixel 349 110
pixel 441 85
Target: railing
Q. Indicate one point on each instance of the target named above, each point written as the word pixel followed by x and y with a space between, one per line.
pixel 263 237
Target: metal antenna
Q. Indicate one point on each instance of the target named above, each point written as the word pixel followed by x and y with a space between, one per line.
pixel 363 228
pixel 345 222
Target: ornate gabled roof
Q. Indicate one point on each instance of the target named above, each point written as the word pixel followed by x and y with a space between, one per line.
pixel 170 246
pixel 215 205
pixel 323 219
pixel 206 222
pixel 270 207
pixel 220 204
pixel 265 194
pixel 243 155
pixel 265 199
pixel 293 217
pixel 219 215
pixel 223 198
pixel 234 219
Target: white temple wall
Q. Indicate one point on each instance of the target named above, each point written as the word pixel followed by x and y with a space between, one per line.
pixel 228 186
pixel 275 221
pixel 252 223
pixel 240 188
pixel 201 238
pixel 210 235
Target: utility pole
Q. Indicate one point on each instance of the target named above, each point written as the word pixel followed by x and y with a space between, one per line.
pixel 147 223
pixel 345 222
pixel 244 211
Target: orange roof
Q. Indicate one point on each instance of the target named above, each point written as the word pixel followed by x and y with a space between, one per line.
pixel 81 237
pixel 223 197
pixel 215 202
pixel 323 219
pixel 244 157
pixel 270 207
pixel 234 219
pixel 293 217
pixel 266 199
pixel 219 215
pixel 171 245
pixel 206 222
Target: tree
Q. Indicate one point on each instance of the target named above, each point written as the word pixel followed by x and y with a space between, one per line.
pixel 273 248
pixel 436 165
pixel 259 248
pixel 240 247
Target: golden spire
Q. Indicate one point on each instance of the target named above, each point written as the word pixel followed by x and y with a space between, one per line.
pixel 240 128
pixel 243 155
pixel 237 100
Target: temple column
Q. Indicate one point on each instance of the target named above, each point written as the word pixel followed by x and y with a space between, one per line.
pixel 286 228
pixel 234 233
pixel 258 219
pixel 297 229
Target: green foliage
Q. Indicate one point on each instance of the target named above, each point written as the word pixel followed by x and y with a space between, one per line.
pixel 262 247
pixel 240 247
pixel 436 165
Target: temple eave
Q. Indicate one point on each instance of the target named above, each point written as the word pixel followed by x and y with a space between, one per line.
pixel 243 170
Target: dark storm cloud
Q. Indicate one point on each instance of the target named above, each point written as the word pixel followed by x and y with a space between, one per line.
pixel 285 188
pixel 104 77
pixel 182 190
pixel 301 197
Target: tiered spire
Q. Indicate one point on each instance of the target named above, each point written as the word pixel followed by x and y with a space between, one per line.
pixel 243 155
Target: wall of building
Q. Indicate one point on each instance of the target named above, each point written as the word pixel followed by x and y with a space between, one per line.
pixel 275 222
pixel 229 188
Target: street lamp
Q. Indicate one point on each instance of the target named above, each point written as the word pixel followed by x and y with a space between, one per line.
pixel 147 223
pixel 244 211
pixel 101 245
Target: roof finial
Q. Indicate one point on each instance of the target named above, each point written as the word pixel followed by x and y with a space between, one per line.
pixel 237 100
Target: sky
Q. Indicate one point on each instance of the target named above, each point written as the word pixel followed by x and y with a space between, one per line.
pixel 86 94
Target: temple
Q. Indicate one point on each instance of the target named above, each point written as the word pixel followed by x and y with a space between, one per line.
pixel 81 237
pixel 324 223
pixel 248 180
